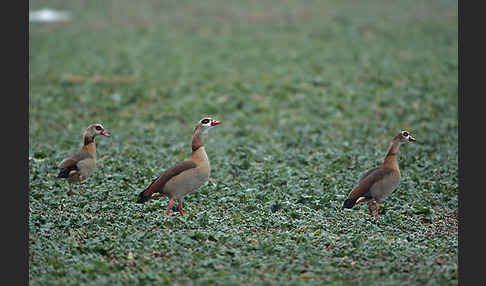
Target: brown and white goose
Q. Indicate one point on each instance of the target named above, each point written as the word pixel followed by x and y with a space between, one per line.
pixel 78 165
pixel 186 176
pixel 379 182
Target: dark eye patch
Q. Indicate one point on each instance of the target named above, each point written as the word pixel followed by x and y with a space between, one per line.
pixel 98 127
pixel 205 121
pixel 405 133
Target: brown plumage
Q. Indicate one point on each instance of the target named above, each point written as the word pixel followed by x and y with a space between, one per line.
pixel 78 165
pixel 186 176
pixel 376 184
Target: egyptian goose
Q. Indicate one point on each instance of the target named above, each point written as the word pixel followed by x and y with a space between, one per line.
pixel 379 182
pixel 186 176
pixel 78 165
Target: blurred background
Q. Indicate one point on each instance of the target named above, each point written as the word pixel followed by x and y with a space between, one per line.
pixel 271 63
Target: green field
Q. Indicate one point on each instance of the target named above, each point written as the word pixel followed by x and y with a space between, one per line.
pixel 309 92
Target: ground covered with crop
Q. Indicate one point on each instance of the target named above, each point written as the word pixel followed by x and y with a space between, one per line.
pixel 310 94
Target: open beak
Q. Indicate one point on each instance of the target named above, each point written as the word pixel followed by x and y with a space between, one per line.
pixel 411 139
pixel 104 133
pixel 215 122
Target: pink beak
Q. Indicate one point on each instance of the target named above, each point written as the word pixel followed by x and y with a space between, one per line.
pixel 215 122
pixel 105 133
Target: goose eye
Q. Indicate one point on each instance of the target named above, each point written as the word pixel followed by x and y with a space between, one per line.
pixel 98 128
pixel 205 121
pixel 405 133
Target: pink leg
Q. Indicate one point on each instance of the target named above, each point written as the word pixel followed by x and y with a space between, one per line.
pixel 369 207
pixel 376 206
pixel 80 178
pixel 180 208
pixel 167 213
pixel 70 190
